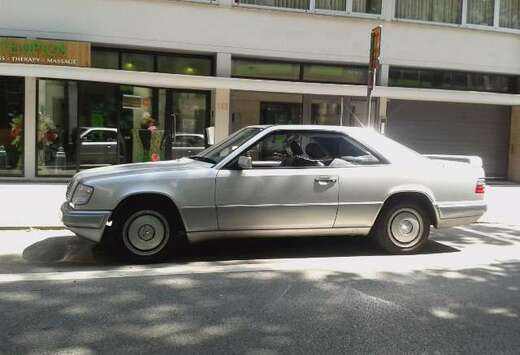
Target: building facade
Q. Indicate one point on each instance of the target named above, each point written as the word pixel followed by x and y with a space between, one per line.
pixel 158 72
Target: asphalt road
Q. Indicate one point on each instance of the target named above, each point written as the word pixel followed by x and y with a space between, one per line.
pixel 59 294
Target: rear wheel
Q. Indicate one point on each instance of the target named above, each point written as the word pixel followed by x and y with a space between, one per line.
pixel 144 234
pixel 402 228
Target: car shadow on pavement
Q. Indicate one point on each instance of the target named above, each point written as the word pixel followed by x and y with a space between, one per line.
pixel 282 248
pixel 72 252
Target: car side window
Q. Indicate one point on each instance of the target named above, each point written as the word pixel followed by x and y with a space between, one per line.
pixel 305 149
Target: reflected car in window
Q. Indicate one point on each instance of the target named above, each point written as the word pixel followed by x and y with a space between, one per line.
pixel 98 146
pixel 277 181
pixel 187 144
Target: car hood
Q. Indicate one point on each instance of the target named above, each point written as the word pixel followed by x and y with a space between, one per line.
pixel 141 168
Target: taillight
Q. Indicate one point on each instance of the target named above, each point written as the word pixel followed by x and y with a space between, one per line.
pixel 480 188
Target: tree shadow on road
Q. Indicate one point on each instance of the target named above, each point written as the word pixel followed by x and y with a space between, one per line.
pixel 268 312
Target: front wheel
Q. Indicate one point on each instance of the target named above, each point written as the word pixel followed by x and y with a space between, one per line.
pixel 402 228
pixel 143 235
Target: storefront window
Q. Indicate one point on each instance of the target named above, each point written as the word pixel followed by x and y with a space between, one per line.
pixel 11 126
pixel 280 113
pixel 56 128
pixel 98 134
pixel 137 62
pixel 184 65
pixel 189 119
pixel 142 131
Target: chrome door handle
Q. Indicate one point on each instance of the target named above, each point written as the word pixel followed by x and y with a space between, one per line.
pixel 325 179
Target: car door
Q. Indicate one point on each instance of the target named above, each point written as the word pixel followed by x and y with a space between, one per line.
pixel 276 193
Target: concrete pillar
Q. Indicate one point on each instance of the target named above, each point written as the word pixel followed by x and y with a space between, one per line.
pixel 30 128
pixel 223 64
pixel 221 99
pixel 514 145
pixel 384 73
pixel 222 103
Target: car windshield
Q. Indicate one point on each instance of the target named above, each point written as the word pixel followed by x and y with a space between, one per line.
pixel 218 152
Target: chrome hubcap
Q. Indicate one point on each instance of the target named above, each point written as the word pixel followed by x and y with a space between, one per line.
pixel 406 227
pixel 145 232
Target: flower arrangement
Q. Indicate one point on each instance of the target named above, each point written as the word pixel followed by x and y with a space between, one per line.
pixel 47 134
pixel 15 135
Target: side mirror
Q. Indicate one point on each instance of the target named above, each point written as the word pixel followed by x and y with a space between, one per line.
pixel 245 162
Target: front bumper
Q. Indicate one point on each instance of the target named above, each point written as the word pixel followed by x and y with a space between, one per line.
pixel 87 224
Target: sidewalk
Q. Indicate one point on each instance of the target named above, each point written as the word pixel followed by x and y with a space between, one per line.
pixel 31 204
pixel 38 204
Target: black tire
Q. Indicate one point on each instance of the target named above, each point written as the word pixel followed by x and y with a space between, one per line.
pixel 146 225
pixel 403 227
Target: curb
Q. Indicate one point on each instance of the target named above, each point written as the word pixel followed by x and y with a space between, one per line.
pixel 2 228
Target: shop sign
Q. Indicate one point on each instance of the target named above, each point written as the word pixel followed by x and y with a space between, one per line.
pixel 45 52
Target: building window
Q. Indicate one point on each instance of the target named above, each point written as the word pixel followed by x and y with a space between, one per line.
pixel 367 6
pixel 288 4
pixel 186 65
pixel 137 62
pixel 331 5
pixel 481 12
pixel 250 68
pixel 325 73
pixel 105 59
pixel 12 93
pixel 453 80
pixel 510 14
pixel 150 62
pixel 447 11
pixel 335 74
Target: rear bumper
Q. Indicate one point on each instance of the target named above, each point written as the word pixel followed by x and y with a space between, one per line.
pixel 460 213
pixel 86 224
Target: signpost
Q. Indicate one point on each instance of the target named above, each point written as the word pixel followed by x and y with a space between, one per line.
pixel 373 67
pixel 45 52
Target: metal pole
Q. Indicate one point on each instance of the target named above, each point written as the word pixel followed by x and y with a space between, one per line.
pixel 369 98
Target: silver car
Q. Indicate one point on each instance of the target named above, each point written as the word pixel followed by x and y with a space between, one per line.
pixel 271 181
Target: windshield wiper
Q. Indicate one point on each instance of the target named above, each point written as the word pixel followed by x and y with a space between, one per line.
pixel 204 159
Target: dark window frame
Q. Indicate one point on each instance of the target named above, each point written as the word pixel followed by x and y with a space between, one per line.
pixel 440 82
pixel 301 76
pixel 156 55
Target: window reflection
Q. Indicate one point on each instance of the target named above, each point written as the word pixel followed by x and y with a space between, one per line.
pixel 11 126
pixel 56 127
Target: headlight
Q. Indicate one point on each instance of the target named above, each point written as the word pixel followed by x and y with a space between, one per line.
pixel 82 194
